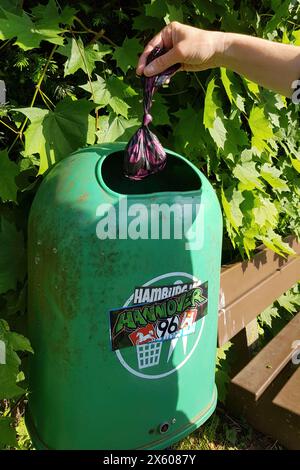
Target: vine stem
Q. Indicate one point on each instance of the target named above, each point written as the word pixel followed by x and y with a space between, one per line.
pixel 201 86
pixel 83 25
pixel 4 44
pixel 89 78
pixel 98 35
pixel 37 89
pixel 38 85
pixel 174 93
pixel 109 40
pixel 46 100
pixel 42 96
pixel 13 130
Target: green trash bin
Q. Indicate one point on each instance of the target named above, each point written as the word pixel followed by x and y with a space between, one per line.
pixel 123 301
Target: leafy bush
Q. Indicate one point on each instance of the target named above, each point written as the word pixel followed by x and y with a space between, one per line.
pixel 69 71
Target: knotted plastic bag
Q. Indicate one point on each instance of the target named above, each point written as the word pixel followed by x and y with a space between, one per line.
pixel 144 154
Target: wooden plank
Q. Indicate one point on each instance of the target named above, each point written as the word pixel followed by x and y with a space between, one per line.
pixel 289 396
pixel 248 288
pixel 275 421
pixel 239 278
pixel 246 344
pixel 266 365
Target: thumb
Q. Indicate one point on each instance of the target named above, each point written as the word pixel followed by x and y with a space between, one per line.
pixel 161 63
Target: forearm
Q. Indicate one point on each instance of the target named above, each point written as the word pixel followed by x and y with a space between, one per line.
pixel 270 64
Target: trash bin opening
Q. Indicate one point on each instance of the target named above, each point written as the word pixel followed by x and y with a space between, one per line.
pixel 177 176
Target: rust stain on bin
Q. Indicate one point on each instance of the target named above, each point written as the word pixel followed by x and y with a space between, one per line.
pixel 84 197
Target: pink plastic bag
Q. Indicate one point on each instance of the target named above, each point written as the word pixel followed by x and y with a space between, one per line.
pixel 144 154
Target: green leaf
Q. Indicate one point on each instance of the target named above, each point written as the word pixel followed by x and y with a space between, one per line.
pixel 231 201
pixel 266 317
pixel 249 245
pixel 236 137
pixel 296 36
pixel 210 105
pixel 20 343
pixel 66 128
pixel 9 371
pixel 108 92
pixel 156 8
pixel 222 371
pixel 19 26
pixel 281 12
pixel 80 57
pixel 114 128
pixel 12 256
pixel 174 13
pixel 159 110
pixel 247 174
pixel 260 127
pixel 218 132
pixel 289 301
pixel 188 128
pixel 119 106
pixel 227 83
pixel 98 90
pixel 48 21
pixel 34 137
pixel 251 86
pixel 7 432
pixel 8 172
pixel 126 56
pixel 30 34
pixel 142 23
pixel 117 87
pixel 265 212
pixel 272 176
pixel 24 441
pixel 273 241
pixel 227 78
pixel 222 381
pixel 48 17
pixel 58 133
pixel 67 15
pixel 9 388
pixel 296 164
pixel 11 6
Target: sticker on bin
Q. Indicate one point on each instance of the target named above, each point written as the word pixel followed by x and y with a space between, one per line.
pixel 155 322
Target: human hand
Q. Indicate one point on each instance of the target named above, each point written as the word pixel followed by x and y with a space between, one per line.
pixel 196 49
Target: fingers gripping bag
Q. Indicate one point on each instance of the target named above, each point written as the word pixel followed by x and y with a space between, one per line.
pixel 144 154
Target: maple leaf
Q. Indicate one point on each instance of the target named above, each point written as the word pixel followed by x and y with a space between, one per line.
pixel 80 57
pixel 126 55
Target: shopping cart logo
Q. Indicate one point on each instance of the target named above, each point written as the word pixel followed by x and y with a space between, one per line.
pixel 148 340
pixel 148 352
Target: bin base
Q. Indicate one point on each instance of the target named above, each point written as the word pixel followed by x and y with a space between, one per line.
pixel 191 427
pixel 163 443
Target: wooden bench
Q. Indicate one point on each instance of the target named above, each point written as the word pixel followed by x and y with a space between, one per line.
pixel 265 386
